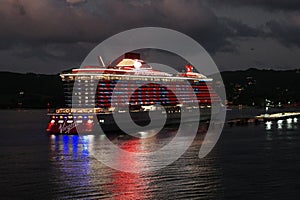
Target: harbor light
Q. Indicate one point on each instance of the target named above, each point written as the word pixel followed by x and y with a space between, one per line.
pixel 279 124
pixel 280 121
pixel 289 120
pixel 268 125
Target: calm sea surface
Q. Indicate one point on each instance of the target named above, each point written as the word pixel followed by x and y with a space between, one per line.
pixel 248 162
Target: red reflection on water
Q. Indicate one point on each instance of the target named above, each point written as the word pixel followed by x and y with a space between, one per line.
pixel 130 185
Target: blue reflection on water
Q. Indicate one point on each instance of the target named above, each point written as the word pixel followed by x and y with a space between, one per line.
pixel 66 144
pixel 85 144
pixel 69 146
pixel 75 146
pixel 70 162
pixel 73 168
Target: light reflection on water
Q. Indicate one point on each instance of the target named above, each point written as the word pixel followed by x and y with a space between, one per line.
pixel 248 162
pixel 70 164
pixel 75 167
pixel 286 124
pixel 64 146
pixel 69 149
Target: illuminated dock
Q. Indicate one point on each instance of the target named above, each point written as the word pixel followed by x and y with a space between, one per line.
pixel 268 118
pixel 277 116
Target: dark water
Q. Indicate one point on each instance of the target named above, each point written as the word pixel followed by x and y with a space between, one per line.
pixel 248 162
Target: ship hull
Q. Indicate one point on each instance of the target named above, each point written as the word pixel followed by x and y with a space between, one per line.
pixel 87 123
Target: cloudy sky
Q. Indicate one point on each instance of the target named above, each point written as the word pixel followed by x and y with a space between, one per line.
pixel 48 36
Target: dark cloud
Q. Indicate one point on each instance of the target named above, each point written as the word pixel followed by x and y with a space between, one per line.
pixel 57 21
pixel 44 20
pixel 75 1
pixel 62 32
pixel 233 29
pixel 287 31
pixel 239 29
pixel 47 58
pixel 266 4
pixel 52 31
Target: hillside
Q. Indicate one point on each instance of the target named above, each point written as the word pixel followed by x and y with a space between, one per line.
pixel 30 90
pixel 249 87
pixel 253 86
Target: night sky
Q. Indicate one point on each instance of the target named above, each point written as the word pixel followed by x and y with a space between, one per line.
pixel 48 36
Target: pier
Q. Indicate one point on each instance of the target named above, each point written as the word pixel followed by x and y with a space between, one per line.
pixel 264 118
pixel 277 116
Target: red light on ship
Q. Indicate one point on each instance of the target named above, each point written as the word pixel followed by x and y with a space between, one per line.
pixel 189 68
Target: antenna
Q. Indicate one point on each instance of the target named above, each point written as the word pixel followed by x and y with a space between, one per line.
pixel 101 61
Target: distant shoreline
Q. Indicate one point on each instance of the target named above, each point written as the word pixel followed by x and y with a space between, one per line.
pixel 251 87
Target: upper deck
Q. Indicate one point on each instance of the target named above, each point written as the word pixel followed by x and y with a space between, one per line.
pixel 133 69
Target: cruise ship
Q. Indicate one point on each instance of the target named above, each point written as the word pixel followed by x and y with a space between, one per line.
pixel 139 89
